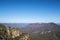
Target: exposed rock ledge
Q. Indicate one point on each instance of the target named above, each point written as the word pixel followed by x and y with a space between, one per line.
pixel 7 33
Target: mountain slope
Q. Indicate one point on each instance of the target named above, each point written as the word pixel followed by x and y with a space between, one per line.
pixel 43 31
pixel 41 26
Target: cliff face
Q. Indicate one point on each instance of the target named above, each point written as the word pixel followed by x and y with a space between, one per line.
pixel 12 34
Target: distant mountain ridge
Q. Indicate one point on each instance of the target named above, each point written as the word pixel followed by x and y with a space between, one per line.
pixel 40 26
pixel 16 24
pixel 43 31
pixel 58 23
pixel 39 31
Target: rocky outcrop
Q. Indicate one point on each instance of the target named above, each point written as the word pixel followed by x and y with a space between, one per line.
pixel 8 33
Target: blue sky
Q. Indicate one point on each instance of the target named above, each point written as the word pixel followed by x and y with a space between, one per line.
pixel 29 11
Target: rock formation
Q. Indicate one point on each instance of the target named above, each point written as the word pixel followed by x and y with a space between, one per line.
pixel 8 33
